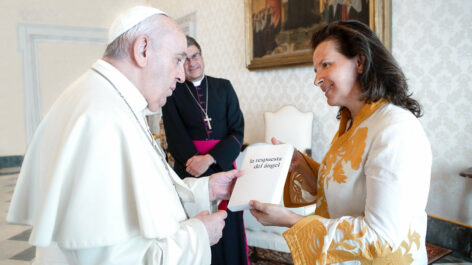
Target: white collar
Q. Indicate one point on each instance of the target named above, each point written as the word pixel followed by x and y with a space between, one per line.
pixel 129 91
pixel 198 82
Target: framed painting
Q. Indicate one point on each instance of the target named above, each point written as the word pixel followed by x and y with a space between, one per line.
pixel 278 32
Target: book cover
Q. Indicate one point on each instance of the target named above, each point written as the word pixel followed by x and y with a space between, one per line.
pixel 265 169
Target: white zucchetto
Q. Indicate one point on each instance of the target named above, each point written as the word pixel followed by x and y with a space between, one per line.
pixel 129 19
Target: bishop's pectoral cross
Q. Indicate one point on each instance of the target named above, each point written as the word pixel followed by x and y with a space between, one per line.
pixel 207 120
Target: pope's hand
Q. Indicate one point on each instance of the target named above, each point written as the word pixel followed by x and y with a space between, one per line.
pixel 198 164
pixel 273 214
pixel 214 224
pixel 221 184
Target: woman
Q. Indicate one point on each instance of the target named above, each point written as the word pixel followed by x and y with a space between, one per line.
pixel 372 186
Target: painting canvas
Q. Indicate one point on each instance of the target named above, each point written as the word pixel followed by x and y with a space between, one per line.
pixel 278 32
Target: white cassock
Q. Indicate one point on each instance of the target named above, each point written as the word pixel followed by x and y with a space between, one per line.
pixel 92 183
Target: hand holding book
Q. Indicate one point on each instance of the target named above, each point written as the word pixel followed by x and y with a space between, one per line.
pixel 300 165
pixel 273 214
pixel 265 170
pixel 221 184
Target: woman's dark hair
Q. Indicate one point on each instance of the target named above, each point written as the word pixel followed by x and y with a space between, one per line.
pixel 381 78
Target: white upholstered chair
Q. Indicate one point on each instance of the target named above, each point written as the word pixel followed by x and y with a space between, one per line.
pixel 289 125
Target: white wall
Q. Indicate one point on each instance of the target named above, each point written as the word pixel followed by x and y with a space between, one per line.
pixel 432 46
pixel 59 62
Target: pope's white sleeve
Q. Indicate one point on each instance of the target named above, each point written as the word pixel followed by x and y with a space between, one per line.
pixel 189 245
pixel 200 190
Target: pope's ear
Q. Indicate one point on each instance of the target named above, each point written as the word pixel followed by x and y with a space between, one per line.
pixel 140 50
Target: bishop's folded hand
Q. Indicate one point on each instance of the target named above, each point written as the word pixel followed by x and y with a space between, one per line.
pixel 198 164
pixel 214 224
pixel 221 184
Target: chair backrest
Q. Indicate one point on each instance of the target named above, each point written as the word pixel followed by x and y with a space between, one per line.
pixel 290 125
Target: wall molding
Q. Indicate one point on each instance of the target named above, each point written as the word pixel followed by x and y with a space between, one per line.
pixel 10 161
pixel 188 24
pixel 29 35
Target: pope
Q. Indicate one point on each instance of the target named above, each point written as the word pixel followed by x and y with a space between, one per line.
pixel 94 185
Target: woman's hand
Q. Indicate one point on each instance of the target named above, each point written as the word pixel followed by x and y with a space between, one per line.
pixel 273 214
pixel 276 141
pixel 299 164
pixel 297 157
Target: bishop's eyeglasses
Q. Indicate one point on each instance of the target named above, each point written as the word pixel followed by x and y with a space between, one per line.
pixel 193 57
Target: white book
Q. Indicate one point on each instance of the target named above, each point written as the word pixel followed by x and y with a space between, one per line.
pixel 265 170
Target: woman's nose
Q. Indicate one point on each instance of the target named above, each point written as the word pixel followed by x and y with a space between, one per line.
pixel 318 81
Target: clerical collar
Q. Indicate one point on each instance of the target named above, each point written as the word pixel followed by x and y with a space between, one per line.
pixel 197 83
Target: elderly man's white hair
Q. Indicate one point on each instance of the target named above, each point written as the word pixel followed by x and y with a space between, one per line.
pixel 139 20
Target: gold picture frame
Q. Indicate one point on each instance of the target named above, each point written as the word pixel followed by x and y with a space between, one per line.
pixel 263 44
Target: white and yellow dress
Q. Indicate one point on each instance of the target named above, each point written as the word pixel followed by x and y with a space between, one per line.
pixel 372 192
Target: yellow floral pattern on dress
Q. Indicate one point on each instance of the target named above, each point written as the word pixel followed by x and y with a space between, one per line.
pixel 306 250
pixel 342 153
pixel 298 185
pixel 297 192
pixel 347 149
pixel 307 241
pixel 322 204
pixel 315 240
pixel 350 152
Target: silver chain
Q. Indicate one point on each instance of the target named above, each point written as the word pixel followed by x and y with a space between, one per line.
pixel 156 147
pixel 146 131
pixel 205 111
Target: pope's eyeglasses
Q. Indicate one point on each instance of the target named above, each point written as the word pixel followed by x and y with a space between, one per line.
pixel 193 57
